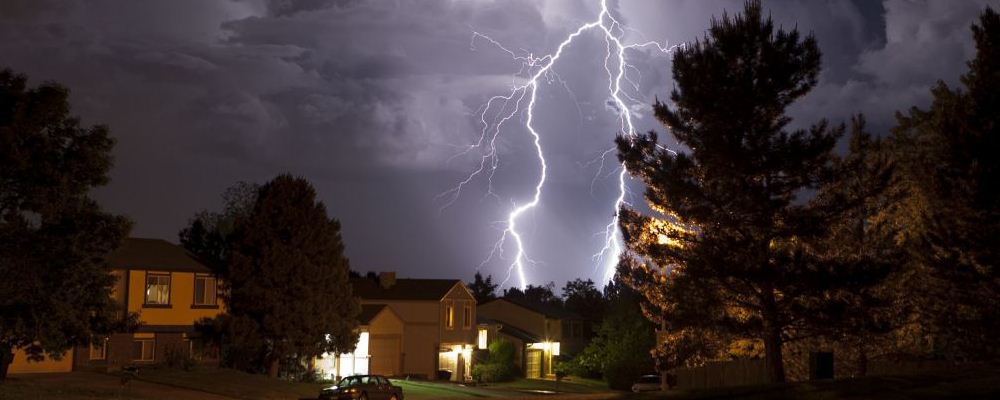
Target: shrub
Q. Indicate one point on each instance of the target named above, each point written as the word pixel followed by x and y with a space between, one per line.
pixel 499 365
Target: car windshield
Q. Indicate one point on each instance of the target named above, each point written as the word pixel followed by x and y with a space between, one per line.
pixel 649 379
pixel 348 381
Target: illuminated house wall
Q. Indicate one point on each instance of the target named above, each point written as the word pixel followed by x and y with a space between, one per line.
pixel 378 350
pixel 425 308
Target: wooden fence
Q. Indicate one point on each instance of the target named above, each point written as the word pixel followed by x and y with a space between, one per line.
pixel 722 373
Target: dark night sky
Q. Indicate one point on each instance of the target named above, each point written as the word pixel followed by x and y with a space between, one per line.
pixel 369 100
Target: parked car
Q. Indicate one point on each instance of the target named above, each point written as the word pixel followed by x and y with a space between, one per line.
pixel 647 383
pixel 362 387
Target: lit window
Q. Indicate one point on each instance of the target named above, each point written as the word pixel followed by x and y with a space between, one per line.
pixel 482 338
pixel 450 317
pixel 142 349
pixel 467 317
pixel 99 351
pixel 205 289
pixel 157 289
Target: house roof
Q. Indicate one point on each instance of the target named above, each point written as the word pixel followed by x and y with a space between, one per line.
pixel 368 312
pixel 511 330
pixel 548 310
pixel 403 289
pixel 155 254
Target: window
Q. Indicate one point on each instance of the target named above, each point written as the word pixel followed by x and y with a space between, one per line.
pixel 466 317
pixel 482 338
pixel 450 317
pixel 205 290
pixel 142 349
pixel 157 289
pixel 99 351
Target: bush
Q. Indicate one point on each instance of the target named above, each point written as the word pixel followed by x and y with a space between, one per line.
pixel 177 358
pixel 499 365
pixel 492 372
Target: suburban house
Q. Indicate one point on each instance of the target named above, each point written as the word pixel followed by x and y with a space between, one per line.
pixel 168 289
pixel 378 350
pixel 539 332
pixel 438 330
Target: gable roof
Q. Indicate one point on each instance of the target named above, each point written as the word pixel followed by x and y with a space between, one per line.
pixel 548 310
pixel 511 330
pixel 403 289
pixel 369 311
pixel 154 254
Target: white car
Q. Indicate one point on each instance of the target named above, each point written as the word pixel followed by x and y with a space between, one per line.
pixel 647 383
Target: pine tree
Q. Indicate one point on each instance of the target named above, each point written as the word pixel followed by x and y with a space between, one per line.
pixel 737 187
pixel 860 244
pixel 483 289
pixel 951 173
pixel 55 282
pixel 287 275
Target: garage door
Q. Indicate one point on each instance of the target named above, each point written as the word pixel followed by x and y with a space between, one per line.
pixel 385 355
pixel 533 369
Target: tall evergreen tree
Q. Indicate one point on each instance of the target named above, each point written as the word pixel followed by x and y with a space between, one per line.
pixel 740 181
pixel 55 282
pixel 483 289
pixel 861 244
pixel 582 298
pixel 287 275
pixel 948 159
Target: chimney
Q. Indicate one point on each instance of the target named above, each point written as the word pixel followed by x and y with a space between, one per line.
pixel 386 279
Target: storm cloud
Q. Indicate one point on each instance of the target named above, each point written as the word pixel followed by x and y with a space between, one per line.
pixel 371 101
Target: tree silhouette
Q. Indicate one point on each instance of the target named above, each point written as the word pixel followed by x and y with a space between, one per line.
pixel 951 173
pixel 483 289
pixel 287 276
pixel 737 186
pixel 55 290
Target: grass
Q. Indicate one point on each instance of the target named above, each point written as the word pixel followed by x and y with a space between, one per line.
pixel 88 386
pixel 958 383
pixel 570 385
pixel 16 388
pixel 982 382
pixel 232 383
pixel 419 390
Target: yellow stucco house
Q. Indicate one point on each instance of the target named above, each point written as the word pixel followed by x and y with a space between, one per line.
pixel 436 329
pixel 169 290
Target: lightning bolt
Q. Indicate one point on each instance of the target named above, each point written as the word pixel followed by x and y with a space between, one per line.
pixel 500 109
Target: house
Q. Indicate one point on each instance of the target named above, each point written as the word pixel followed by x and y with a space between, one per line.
pixel 378 351
pixel 438 327
pixel 538 332
pixel 168 289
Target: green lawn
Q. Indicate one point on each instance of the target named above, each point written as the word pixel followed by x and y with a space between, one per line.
pixel 232 383
pixel 91 386
pixel 569 385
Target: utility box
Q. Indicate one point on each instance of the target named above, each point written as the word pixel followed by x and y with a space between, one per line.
pixel 820 365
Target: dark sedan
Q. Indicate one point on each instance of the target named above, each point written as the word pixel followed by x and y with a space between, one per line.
pixel 362 387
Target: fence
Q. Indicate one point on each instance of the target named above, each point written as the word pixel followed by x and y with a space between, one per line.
pixel 722 373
